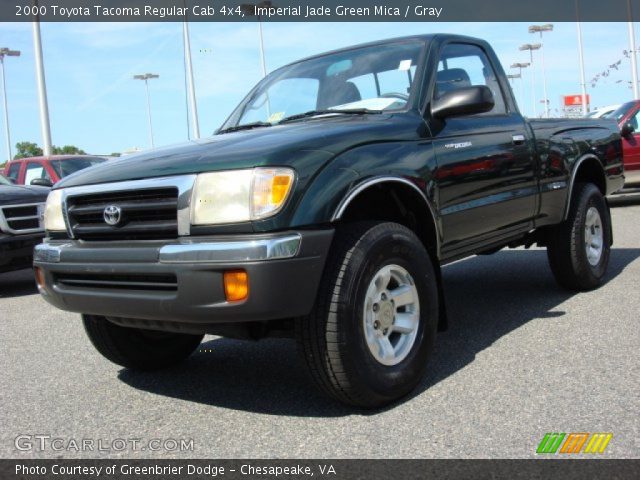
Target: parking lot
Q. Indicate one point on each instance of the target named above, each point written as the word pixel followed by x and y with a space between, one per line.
pixel 521 358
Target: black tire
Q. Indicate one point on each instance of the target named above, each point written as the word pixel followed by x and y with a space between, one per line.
pixel 332 339
pixel 566 247
pixel 137 348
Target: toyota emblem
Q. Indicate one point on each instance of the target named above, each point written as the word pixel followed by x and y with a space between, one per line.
pixel 112 215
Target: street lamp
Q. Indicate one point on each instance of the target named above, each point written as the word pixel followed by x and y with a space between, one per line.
pixel 540 29
pixel 5 52
pixel 146 77
pixel 520 66
pixel 531 47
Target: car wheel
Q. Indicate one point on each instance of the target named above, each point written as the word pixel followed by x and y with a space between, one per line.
pixel 138 348
pixel 374 324
pixel 579 248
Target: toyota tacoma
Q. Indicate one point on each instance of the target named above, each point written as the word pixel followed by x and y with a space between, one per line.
pixel 323 209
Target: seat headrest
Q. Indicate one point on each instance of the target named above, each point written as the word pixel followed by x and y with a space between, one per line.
pixel 451 79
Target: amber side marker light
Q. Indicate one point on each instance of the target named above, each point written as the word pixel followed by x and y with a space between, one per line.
pixel 39 277
pixel 236 285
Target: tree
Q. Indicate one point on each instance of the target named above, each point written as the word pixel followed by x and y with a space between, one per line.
pixel 27 149
pixel 68 150
pixel 30 149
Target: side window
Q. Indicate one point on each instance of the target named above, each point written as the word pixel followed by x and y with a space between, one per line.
pixel 14 171
pixel 35 170
pixel 463 65
pixel 634 121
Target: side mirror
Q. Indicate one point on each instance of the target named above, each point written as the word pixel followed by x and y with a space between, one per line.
pixel 627 130
pixel 463 101
pixel 42 182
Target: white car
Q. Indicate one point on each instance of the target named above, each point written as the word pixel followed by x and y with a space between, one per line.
pixel 602 111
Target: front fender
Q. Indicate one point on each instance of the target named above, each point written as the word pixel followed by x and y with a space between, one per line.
pixel 413 161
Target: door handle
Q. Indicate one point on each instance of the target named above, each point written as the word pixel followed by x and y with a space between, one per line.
pixel 518 139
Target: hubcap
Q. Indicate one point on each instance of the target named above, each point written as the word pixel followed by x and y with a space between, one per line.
pixel 391 315
pixel 593 236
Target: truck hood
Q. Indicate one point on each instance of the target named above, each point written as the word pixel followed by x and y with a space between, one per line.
pixel 17 194
pixel 304 145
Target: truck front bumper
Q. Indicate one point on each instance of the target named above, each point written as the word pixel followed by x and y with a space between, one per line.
pixel 178 285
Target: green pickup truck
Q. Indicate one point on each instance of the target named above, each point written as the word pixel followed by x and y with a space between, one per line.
pixel 323 209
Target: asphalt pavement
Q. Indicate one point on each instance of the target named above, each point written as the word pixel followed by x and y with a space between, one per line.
pixel 521 358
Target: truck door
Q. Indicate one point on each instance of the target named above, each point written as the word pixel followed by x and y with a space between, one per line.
pixel 485 174
pixel 631 150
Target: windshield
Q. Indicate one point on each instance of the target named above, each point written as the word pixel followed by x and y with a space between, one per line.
pixel 377 78
pixel 4 180
pixel 621 111
pixel 68 166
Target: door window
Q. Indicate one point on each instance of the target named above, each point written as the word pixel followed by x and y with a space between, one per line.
pixel 35 170
pixel 14 171
pixel 634 121
pixel 464 65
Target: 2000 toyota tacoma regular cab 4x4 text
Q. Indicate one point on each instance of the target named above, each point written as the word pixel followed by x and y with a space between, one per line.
pixel 323 209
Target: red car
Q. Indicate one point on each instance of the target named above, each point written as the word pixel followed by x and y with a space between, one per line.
pixel 628 118
pixel 45 171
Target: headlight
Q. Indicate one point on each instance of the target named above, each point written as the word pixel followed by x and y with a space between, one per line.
pixel 53 217
pixel 239 195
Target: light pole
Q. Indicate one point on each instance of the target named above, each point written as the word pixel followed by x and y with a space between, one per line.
pixel 5 52
pixel 190 82
pixel 520 66
pixel 250 10
pixel 531 47
pixel 539 29
pixel 632 45
pixel 583 82
pixel 45 127
pixel 146 77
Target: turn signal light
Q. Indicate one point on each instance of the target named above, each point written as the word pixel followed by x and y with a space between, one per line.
pixel 236 285
pixel 39 277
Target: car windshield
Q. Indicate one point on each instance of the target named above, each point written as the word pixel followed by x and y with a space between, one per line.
pixel 621 111
pixel 4 180
pixel 366 79
pixel 67 166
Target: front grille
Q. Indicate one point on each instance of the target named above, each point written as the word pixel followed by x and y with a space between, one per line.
pixel 161 282
pixel 21 219
pixel 142 215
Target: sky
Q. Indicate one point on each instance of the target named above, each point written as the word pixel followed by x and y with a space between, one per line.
pixel 96 105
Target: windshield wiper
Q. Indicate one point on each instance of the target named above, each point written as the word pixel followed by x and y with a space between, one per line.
pixel 245 126
pixel 313 113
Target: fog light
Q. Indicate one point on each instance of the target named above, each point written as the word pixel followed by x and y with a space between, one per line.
pixel 236 285
pixel 39 277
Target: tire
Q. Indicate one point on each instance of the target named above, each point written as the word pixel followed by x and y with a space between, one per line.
pixel 334 338
pixel 136 348
pixel 574 264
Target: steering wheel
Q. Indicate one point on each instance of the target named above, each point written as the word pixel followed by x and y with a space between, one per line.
pixel 401 96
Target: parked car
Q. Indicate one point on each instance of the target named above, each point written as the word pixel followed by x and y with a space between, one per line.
pixel 21 226
pixel 45 171
pixel 323 210
pixel 603 112
pixel 628 118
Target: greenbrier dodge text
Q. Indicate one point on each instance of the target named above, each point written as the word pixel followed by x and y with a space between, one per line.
pixel 178 470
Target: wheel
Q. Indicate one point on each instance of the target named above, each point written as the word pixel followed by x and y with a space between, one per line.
pixel 137 348
pixel 374 323
pixel 579 248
